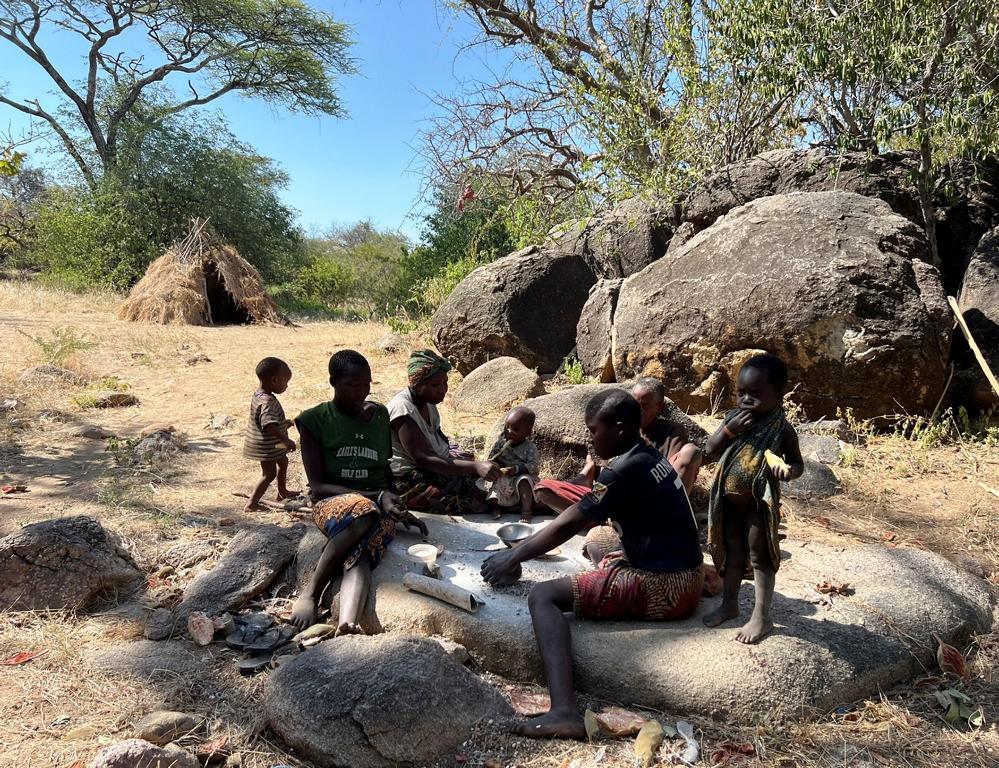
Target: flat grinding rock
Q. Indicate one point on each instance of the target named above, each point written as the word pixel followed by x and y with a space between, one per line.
pixel 817 657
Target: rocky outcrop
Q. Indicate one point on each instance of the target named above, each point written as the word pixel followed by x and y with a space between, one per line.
pixel 832 282
pixel 524 305
pixel 497 385
pixel 69 562
pixel 253 559
pixel 593 331
pixel 966 204
pixel 374 702
pixel 885 177
pixel 979 302
pixel 620 241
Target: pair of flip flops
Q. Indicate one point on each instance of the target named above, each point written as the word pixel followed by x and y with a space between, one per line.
pixel 256 635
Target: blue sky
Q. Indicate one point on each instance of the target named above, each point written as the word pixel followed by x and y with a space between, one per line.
pixel 345 170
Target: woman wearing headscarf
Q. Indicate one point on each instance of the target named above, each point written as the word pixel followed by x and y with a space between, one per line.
pixel 431 474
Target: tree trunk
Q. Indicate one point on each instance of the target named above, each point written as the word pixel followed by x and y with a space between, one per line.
pixel 926 198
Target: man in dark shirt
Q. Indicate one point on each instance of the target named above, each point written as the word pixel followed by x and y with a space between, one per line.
pixel 652 570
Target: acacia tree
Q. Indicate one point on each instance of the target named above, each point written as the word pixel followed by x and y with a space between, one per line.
pixel 281 51
pixel 627 95
pixel 881 74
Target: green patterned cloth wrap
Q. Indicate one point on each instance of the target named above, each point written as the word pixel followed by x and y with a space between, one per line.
pixel 743 470
pixel 424 364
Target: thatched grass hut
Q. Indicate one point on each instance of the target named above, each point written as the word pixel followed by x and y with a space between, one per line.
pixel 200 281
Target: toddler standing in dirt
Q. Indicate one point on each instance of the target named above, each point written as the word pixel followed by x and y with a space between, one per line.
pixel 267 439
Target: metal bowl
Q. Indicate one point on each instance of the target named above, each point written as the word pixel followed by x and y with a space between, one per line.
pixel 512 534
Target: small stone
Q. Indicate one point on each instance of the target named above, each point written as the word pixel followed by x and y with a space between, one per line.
pixel 50 374
pixel 163 726
pixel 160 624
pixel 195 359
pixel 391 342
pixel 224 624
pixel 200 628
pixel 8 405
pixel 456 651
pixel 220 421
pixel 112 399
pixel 155 429
pixel 93 432
pixel 136 753
pixel 226 522
pixel 234 761
pixel 166 570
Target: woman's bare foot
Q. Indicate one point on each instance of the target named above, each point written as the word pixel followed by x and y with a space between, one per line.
pixel 304 612
pixel 286 494
pixel 349 628
pixel 554 725
pixel 721 614
pixel 755 630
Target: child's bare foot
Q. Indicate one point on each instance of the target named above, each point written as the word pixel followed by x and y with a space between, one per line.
pixel 755 630
pixel 349 628
pixel 721 614
pixel 255 507
pixel 527 517
pixel 559 725
pixel 304 612
pixel 286 494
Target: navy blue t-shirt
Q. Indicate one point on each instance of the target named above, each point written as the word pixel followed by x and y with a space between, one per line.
pixel 642 493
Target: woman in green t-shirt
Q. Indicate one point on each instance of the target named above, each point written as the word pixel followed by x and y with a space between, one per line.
pixel 345 445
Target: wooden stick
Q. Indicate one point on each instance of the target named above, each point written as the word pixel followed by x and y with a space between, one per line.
pixel 973 344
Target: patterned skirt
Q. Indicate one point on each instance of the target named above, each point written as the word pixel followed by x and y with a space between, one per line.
pixel 616 590
pixel 429 492
pixel 336 513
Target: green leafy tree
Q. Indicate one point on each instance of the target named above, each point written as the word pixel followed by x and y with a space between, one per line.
pixel 282 51
pixel 881 74
pixel 108 234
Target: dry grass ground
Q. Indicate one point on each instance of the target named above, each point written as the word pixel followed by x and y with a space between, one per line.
pixel 56 712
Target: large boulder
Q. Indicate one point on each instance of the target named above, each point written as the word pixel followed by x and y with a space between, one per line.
pixel 374 702
pixel 887 177
pixel 69 562
pixel 826 651
pixel 593 331
pixel 496 385
pixel 979 302
pixel 560 427
pixel 253 559
pixel 965 206
pixel 620 241
pixel 524 305
pixel 832 282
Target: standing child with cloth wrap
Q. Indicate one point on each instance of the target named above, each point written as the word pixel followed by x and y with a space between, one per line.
pixel 745 497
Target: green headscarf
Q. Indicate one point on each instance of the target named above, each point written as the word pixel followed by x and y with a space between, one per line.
pixel 424 364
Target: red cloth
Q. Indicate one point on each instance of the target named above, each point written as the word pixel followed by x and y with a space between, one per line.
pixel 564 489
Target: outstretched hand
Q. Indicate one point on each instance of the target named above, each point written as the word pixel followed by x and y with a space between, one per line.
pixel 487 470
pixel 499 568
pixel 395 509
